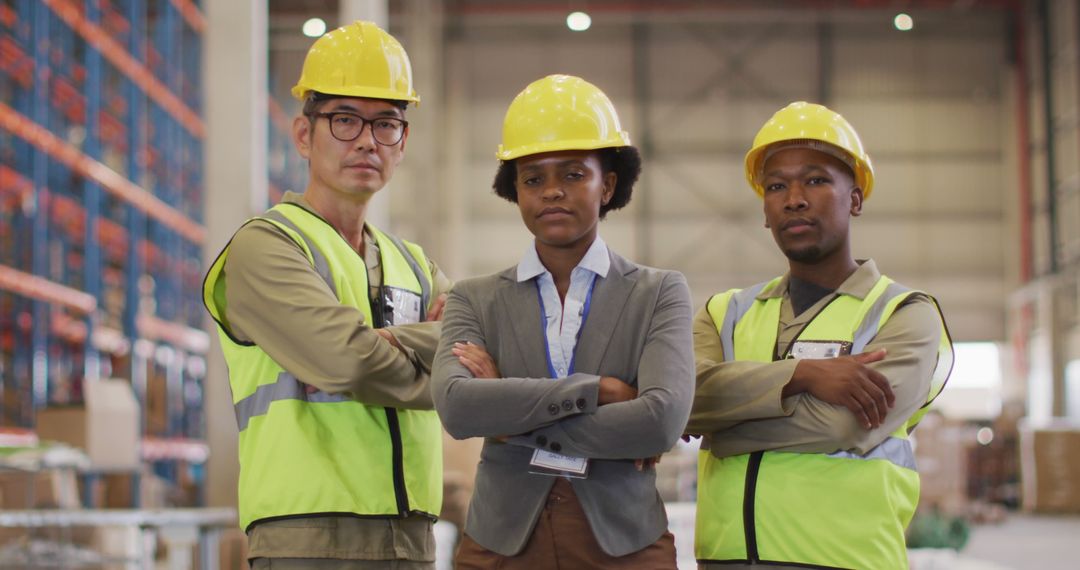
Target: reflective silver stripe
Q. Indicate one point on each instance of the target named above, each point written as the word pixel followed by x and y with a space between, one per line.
pixel 425 286
pixel 868 328
pixel 322 267
pixel 738 305
pixel 894 450
pixel 287 387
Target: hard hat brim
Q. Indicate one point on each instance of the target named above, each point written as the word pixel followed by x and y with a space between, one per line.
pixel 366 92
pixel 621 139
pixel 862 171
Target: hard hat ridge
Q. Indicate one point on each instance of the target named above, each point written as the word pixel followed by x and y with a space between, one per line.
pixel 560 112
pixel 357 60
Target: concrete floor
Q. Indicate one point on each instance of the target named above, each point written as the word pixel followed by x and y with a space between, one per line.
pixel 1022 542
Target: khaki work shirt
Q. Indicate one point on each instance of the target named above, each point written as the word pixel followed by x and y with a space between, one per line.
pixel 738 405
pixel 277 300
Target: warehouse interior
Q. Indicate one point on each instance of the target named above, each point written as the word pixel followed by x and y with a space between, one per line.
pixel 137 135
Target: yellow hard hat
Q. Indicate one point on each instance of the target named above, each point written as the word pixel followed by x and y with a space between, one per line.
pixel 357 60
pixel 809 125
pixel 560 112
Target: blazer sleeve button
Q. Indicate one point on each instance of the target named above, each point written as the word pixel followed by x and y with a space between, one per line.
pixel 553 409
pixel 567 405
pixel 581 403
pixel 555 446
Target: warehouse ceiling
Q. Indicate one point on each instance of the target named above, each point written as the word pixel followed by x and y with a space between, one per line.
pixel 308 8
pixel 287 16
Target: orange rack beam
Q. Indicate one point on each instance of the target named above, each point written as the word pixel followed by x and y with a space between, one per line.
pixel 176 334
pixel 184 449
pixel 123 61
pixel 278 116
pixel 108 178
pixel 191 14
pixel 35 287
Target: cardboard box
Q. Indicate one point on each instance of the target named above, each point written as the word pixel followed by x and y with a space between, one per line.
pixel 1050 466
pixel 157 402
pixel 120 544
pixel 233 550
pixel 49 489
pixel 118 491
pixel 942 448
pixel 106 427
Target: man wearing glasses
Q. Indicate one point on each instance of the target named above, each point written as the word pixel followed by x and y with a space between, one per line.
pixel 322 322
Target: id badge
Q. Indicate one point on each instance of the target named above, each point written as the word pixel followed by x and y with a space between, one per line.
pixel 818 349
pixel 403 306
pixel 548 463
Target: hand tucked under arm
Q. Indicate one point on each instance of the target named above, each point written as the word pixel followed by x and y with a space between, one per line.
pixel 476 359
pixel 435 313
pixel 613 391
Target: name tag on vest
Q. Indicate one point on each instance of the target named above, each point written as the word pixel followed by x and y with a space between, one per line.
pixel 818 349
pixel 404 307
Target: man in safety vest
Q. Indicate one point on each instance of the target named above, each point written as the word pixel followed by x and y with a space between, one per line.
pixel 809 384
pixel 340 449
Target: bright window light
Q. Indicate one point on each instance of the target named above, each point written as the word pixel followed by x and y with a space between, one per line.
pixel 903 22
pixel 974 388
pixel 1072 390
pixel 977 365
pixel 314 27
pixel 578 21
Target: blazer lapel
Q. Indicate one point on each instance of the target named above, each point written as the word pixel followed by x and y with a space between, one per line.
pixel 520 302
pixel 608 300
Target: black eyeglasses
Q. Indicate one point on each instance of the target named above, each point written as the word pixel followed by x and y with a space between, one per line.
pixel 346 127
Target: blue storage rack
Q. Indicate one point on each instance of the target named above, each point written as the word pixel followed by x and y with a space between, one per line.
pixel 101 199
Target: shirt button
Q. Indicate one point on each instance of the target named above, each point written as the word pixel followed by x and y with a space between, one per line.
pixel 567 405
pixel 555 446
pixel 553 409
pixel 581 403
pixel 541 440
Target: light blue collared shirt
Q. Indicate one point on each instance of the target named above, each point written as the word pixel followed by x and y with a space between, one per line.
pixel 564 319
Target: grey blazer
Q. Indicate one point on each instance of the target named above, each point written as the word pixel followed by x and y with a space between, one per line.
pixel 637 330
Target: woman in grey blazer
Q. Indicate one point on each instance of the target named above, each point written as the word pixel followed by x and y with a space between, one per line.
pixel 575 365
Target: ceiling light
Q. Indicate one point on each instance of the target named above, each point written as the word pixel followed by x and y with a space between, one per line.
pixel 903 22
pixel 314 27
pixel 578 21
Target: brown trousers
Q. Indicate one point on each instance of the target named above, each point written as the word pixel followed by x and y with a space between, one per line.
pixel 337 564
pixel 563 540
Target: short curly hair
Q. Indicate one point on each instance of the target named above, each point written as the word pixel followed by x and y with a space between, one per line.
pixel 624 161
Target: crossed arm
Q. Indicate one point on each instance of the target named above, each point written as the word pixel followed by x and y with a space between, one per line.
pixel 643 426
pixel 277 301
pixel 847 403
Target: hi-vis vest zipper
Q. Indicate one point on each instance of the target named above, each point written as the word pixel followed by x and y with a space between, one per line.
pixel 324 454
pixel 839 510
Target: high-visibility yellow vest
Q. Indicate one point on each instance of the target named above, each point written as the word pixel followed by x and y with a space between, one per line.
pixel 326 454
pixel 812 510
